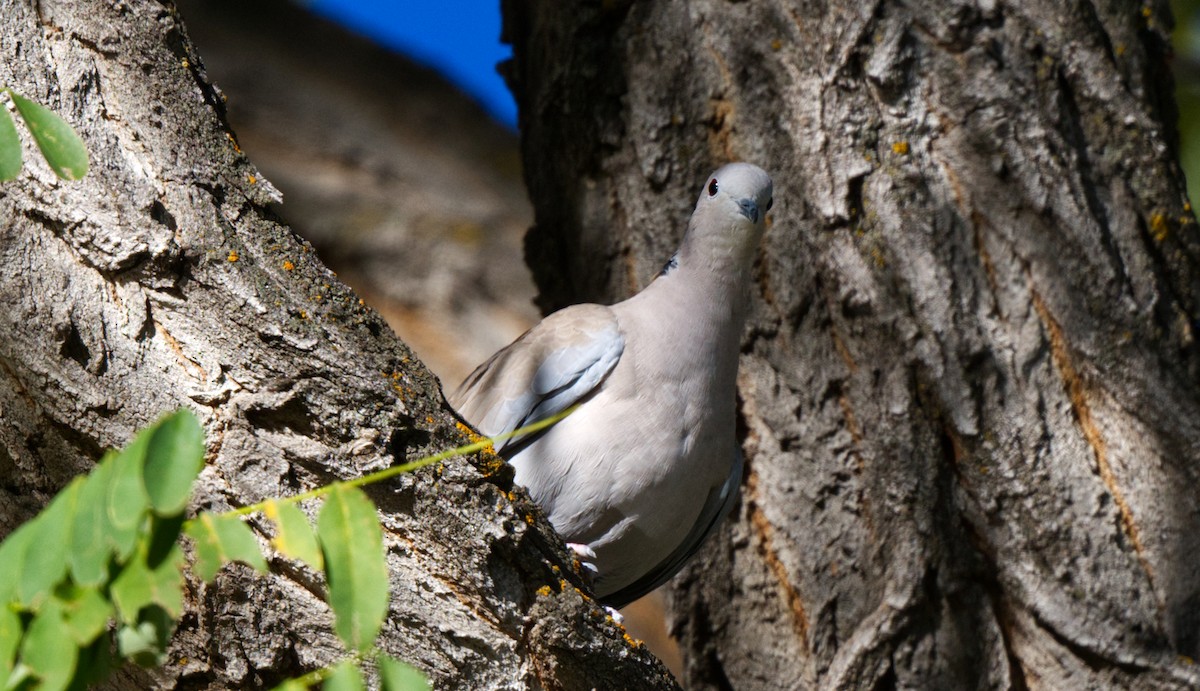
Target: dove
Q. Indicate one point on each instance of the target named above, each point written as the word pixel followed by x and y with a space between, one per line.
pixel 648 464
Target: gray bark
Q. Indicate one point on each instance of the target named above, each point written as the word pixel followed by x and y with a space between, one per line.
pixel 164 279
pixel 969 391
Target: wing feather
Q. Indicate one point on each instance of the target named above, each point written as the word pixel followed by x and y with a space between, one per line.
pixel 557 363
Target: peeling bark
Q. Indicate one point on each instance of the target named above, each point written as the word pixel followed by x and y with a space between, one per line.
pixel 162 280
pixel 970 385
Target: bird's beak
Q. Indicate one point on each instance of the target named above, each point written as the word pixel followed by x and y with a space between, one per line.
pixel 749 209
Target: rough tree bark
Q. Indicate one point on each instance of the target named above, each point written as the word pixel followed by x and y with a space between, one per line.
pixel 971 388
pixel 164 280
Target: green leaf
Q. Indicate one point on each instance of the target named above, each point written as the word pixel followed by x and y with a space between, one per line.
pixel 291 685
pixel 138 586
pixel 45 558
pixel 21 678
pixel 400 676
pixel 168 583
pixel 162 538
pixel 10 638
pixel 294 537
pixel 145 642
pixel 174 457
pixel 220 539
pixel 12 561
pixel 90 548
pixel 86 614
pixel 127 500
pixel 355 567
pixel 48 649
pixel 345 677
pixel 62 148
pixel 10 147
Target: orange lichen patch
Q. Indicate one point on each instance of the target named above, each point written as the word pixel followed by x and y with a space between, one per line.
pixel 288 265
pixel 776 45
pixel 251 179
pixel 492 464
pixel 467 431
pixel 232 257
pixel 544 591
pixel 629 640
pixel 396 379
pixel 1158 227
pixel 1077 393
pixel 228 135
pixel 765 533
pixel 474 438
pixel 900 148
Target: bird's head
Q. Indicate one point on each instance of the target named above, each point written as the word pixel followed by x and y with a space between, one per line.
pixel 730 214
pixel 737 190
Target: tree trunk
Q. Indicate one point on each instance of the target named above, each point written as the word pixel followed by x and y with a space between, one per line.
pixel 163 279
pixel 970 389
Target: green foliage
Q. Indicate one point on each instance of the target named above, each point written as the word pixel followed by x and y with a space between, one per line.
pixel 60 146
pixel 57 604
pixel 1186 66
pixel 45 654
pixel 352 543
pixel 68 618
pixel 220 539
pixel 174 458
pixel 345 676
pixel 399 676
pixel 294 537
pixel 10 147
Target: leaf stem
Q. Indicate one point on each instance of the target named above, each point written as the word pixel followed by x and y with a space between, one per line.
pixel 409 467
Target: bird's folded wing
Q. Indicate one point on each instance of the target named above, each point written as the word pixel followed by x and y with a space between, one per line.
pixel 717 505
pixel 554 365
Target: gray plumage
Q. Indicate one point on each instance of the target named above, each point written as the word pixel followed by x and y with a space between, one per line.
pixel 648 465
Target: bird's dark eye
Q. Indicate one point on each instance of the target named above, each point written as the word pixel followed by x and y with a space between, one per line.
pixel 712 187
pixel 770 202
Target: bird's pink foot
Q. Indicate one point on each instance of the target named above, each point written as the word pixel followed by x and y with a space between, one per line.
pixel 586 557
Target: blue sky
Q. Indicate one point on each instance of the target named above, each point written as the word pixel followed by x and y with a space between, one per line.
pixel 459 38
